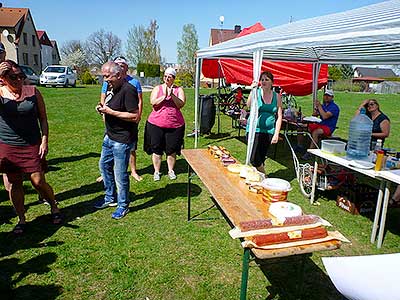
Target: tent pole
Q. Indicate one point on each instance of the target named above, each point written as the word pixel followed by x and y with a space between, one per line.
pixel 196 100
pixel 315 73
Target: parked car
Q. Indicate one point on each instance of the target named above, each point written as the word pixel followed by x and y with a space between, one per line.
pixel 31 76
pixel 58 75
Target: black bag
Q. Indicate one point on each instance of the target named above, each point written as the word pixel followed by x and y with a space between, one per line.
pixel 207 113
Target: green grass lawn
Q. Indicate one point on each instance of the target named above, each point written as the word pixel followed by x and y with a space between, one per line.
pixel 154 253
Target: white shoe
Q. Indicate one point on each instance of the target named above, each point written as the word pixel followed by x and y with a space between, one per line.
pixel 157 176
pixel 171 175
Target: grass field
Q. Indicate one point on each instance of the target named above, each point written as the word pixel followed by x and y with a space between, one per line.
pixel 154 253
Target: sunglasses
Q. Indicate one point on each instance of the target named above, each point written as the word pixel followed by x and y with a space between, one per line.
pixel 371 104
pixel 14 77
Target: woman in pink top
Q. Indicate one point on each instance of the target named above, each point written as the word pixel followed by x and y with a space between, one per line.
pixel 165 127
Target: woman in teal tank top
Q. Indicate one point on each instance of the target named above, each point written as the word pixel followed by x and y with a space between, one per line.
pixel 269 119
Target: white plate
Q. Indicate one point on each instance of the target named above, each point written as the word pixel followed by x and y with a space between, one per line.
pixel 312 119
pixel 362 164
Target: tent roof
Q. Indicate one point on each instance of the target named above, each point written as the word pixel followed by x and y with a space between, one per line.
pixel 367 35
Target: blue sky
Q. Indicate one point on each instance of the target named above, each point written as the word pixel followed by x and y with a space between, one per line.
pixel 67 20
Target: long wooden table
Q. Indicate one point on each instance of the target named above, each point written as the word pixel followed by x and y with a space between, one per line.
pixel 238 204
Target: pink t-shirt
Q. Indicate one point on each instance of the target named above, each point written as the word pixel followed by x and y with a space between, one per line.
pixel 166 114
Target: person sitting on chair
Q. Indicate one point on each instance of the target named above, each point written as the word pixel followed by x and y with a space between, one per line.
pixel 328 111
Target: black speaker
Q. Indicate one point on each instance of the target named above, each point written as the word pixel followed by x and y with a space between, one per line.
pixel 207 113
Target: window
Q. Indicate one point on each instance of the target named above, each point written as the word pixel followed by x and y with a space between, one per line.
pixel 25 58
pixel 33 40
pixel 25 36
pixel 35 59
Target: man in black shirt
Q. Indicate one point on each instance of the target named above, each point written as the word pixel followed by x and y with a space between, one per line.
pixel 121 116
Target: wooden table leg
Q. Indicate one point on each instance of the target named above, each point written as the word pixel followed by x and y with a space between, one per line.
pixel 245 273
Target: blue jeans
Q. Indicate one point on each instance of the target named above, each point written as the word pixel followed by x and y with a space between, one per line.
pixel 113 165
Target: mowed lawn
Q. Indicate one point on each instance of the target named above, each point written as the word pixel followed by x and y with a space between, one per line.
pixel 154 253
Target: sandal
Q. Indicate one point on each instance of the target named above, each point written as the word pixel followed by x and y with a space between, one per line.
pixel 57 218
pixel 394 203
pixel 19 229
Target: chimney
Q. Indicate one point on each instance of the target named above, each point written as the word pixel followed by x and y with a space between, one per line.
pixel 238 28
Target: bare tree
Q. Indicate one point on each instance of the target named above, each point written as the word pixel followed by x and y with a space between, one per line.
pixel 187 48
pixel 136 43
pixel 101 46
pixel 143 46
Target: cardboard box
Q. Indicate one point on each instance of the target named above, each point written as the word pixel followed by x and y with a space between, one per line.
pixel 359 199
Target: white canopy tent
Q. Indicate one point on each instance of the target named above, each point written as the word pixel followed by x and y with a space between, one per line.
pixel 367 35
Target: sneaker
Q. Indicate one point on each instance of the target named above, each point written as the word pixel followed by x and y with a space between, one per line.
pixel 119 213
pixel 103 204
pixel 171 175
pixel 157 176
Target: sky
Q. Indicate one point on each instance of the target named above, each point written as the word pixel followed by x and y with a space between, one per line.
pixel 75 20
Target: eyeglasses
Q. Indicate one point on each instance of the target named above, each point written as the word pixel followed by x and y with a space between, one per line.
pixel 14 77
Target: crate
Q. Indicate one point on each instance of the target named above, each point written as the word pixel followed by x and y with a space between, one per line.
pixel 359 199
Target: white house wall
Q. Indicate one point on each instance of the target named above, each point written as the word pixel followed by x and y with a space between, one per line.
pixel 47 59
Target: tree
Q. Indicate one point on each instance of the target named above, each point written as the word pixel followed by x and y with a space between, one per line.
pixel 76 60
pixel 347 71
pixel 135 48
pixel 70 47
pixel 334 73
pixel 143 46
pixel 187 48
pixel 101 46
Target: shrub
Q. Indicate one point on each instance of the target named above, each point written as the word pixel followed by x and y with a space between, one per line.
pixel 87 78
pixel 185 79
pixel 347 85
pixel 150 70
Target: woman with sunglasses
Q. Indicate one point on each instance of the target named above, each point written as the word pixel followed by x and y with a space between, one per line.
pixel 165 127
pixel 381 123
pixel 23 140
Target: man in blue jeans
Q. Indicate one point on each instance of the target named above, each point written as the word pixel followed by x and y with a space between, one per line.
pixel 121 115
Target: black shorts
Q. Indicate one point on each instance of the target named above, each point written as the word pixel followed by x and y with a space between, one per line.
pixel 158 140
pixel 260 148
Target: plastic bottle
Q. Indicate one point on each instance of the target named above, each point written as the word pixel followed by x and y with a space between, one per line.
pixel 299 115
pixel 359 136
pixel 379 160
pixel 378 145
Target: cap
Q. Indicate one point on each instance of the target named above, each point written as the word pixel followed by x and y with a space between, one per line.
pixel 329 93
pixel 2 48
pixel 120 60
pixel 170 71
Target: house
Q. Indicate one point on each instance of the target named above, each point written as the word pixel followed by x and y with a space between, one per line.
pixel 55 54
pixel 373 72
pixel 47 48
pixel 18 34
pixel 222 35
pixel 218 36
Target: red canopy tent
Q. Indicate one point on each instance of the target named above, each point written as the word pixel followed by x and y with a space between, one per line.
pixel 293 78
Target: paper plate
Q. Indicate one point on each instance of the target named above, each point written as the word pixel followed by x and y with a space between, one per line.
pixel 312 119
pixel 362 164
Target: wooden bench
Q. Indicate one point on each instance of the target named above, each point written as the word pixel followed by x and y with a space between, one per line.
pixel 232 197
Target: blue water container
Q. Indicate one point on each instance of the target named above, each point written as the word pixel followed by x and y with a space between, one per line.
pixel 359 136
